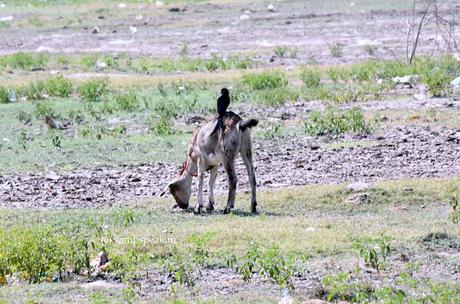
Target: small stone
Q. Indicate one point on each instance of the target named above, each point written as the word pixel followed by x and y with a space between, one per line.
pixel 271 8
pixel 244 17
pixel 455 83
pixel 100 64
pixel 52 176
pixel 95 30
pixel 159 4
pixel 133 29
pixel 121 5
pixel 6 18
pixel 358 186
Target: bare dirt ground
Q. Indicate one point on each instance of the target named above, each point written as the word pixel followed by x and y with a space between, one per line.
pixel 163 31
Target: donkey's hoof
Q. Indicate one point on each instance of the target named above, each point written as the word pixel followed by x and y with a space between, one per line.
pixel 254 212
pixel 210 208
pixel 227 210
pixel 197 210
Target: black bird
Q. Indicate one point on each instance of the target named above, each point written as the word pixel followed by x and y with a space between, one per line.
pixel 223 101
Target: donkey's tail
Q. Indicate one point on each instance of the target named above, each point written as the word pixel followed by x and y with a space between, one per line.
pixel 248 124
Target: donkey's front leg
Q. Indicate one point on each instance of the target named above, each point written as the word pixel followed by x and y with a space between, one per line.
pixel 199 203
pixel 212 181
pixel 229 166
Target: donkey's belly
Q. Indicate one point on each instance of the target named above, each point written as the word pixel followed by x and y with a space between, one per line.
pixel 215 159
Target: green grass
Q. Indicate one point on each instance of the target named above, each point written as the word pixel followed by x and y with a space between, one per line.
pixel 332 122
pixel 282 230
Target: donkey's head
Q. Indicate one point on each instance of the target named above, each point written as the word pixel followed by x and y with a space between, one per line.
pixel 181 187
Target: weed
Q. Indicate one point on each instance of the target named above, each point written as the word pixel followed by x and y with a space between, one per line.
pixel 24 117
pixel 310 77
pixel 180 268
pixel 4 95
pixel 128 101
pixel 58 86
pixel 452 196
pixel 43 109
pixel 22 139
pixel 333 122
pixel 274 132
pixel 275 97
pixel 269 262
pixel 93 90
pixel 161 126
pixel 184 49
pixel 123 216
pixel 280 51
pixel 437 81
pixel 374 251
pixel 33 91
pixel 89 61
pixel 56 137
pixel 265 80
pixel 340 287
pixel 336 49
pixel 369 49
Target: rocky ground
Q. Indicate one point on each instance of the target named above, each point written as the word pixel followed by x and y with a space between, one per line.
pixel 391 152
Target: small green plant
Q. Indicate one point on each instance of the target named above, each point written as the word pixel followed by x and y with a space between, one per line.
pixel 22 139
pixel 24 117
pixel 335 122
pixel 310 77
pixel 276 97
pixel 280 51
pixel 4 95
pixel 437 80
pixel 128 101
pixel 369 49
pixel 453 198
pixel 274 131
pixel 123 216
pixel 58 86
pixel 269 262
pixel 161 126
pixel 93 90
pixel 180 268
pixel 374 251
pixel 56 137
pixel 184 49
pixel 336 49
pixel 43 109
pixel 265 80
pixel 33 91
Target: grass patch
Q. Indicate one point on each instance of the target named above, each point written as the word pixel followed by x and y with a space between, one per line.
pixel 331 122
pixel 265 80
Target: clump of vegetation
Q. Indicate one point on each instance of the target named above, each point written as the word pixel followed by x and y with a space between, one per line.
pixel 43 109
pixel 310 77
pixel 374 251
pixel 24 61
pixel 4 95
pixel 58 86
pixel 369 49
pixel 274 131
pixel 453 198
pixel 269 262
pixel 93 90
pixel 128 101
pixel 33 91
pixel 161 125
pixel 265 80
pixel 280 51
pixel 337 122
pixel 185 266
pixel 336 49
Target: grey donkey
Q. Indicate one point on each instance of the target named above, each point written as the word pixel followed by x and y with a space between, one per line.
pixel 206 152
